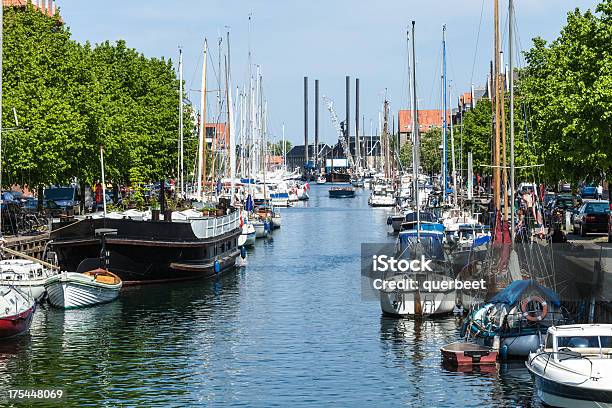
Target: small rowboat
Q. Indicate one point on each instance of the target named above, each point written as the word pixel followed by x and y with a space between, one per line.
pixel 71 290
pixel 16 311
pixel 463 353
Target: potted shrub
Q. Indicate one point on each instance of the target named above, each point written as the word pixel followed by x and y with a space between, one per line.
pixel 155 210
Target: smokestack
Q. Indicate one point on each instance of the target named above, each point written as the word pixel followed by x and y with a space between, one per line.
pixel 357 144
pixel 316 124
pixel 305 120
pixel 348 109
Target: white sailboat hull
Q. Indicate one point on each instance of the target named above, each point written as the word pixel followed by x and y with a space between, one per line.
pixel 260 230
pixel 276 221
pixel 401 304
pixel 71 291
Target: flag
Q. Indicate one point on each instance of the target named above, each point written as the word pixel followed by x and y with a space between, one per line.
pixel 219 186
pixel 248 206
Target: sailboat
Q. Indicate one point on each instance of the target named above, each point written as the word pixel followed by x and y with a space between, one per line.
pixel 523 308
pixel 422 239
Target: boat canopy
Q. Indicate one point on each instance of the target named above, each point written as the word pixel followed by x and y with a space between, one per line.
pixel 513 293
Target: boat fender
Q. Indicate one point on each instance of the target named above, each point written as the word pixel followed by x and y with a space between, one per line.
pixel 534 315
pixel 217 266
pixel 503 352
pixel 243 252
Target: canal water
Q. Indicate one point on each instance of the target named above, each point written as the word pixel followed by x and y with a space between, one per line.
pixel 289 329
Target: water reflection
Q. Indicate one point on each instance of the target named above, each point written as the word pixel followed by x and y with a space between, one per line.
pixel 288 328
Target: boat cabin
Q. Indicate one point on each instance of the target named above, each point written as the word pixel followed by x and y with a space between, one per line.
pixel 591 340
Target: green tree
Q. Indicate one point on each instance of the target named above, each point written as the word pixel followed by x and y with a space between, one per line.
pixel 567 86
pixel 72 98
pixel 277 148
pixel 431 156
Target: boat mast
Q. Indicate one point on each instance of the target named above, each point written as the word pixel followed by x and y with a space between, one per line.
pixel 181 163
pixel 284 149
pixel 503 143
pixel 415 137
pixel 231 130
pixel 444 120
pixel 202 133
pixel 104 180
pixel 386 138
pixel 496 161
pixel 453 170
pixel 511 82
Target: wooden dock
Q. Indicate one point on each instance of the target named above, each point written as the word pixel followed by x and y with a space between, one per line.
pixel 32 245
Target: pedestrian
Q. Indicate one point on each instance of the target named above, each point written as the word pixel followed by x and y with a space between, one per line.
pixel 98 193
pixel 599 191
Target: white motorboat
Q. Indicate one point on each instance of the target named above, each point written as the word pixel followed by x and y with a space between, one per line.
pixel 26 275
pixel 381 196
pixel 321 180
pixel 453 218
pixel 573 368
pixel 261 228
pixel 247 237
pixel 70 290
pixel 276 220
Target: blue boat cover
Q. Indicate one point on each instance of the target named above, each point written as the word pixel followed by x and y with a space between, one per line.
pixel 247 180
pixel 513 293
pixel 481 241
pixel 431 241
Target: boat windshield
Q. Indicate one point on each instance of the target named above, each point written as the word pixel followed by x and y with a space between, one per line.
pixel 581 342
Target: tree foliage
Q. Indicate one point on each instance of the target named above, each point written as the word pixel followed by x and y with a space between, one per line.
pixel 567 86
pixel 72 98
pixel 431 156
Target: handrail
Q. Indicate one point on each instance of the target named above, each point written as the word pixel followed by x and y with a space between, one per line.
pixel 549 354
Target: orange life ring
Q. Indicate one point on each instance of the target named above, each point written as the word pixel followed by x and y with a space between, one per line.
pixel 534 315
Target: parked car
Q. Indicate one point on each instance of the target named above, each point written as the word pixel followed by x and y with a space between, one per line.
pixel 593 216
pixel 588 191
pixel 65 198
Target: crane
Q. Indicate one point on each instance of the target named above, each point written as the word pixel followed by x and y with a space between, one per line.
pixel 341 136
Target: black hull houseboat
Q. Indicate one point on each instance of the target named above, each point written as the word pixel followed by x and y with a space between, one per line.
pixel 338 177
pixel 145 251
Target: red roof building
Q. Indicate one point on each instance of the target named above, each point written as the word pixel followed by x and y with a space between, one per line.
pixel 45 6
pixel 428 119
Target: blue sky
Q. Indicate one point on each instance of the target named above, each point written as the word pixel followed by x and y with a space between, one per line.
pixel 321 39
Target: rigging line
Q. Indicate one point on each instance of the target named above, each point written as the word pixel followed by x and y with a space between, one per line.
pixel 436 81
pixel 477 41
pixel 195 71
